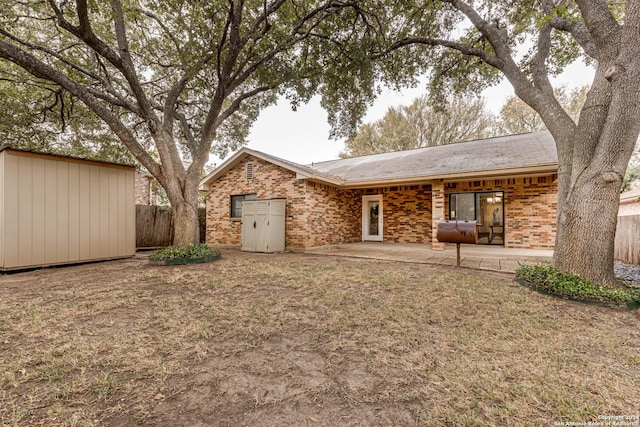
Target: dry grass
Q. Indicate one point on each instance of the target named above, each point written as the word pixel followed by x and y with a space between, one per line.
pixel 301 340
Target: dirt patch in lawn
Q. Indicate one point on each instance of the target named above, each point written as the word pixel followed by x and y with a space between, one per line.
pixel 293 339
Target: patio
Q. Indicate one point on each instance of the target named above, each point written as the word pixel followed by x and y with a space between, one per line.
pixel 495 258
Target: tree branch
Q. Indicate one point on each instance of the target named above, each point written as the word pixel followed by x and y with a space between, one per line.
pixel 128 67
pixel 602 25
pixel 579 33
pixel 43 70
pixel 462 48
pixel 540 73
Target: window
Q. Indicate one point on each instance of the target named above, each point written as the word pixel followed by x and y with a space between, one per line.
pixel 249 171
pixel 485 207
pixel 236 204
pixel 462 206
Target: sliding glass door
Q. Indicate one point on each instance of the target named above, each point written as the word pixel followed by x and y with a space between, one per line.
pixel 485 207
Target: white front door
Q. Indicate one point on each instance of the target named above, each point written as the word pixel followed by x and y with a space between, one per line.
pixel 372 218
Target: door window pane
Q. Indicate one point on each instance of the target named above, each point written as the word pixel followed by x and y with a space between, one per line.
pixel 490 208
pixel 373 218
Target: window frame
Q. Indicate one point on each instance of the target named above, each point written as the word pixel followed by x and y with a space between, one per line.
pixel 240 198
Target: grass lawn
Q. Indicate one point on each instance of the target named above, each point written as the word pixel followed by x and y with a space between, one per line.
pixel 293 339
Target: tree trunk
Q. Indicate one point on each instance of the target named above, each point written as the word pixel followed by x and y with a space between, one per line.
pixel 589 197
pixel 182 190
pixel 185 224
pixel 587 226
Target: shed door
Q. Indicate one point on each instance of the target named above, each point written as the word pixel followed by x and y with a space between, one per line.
pixel 249 225
pixel 276 225
pixel 262 226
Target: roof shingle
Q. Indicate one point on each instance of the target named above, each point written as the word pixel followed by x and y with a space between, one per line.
pixel 493 154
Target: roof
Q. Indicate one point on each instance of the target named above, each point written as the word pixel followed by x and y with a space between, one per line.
pixel 302 172
pixel 506 155
pixel 501 155
pixel 632 196
pixel 75 159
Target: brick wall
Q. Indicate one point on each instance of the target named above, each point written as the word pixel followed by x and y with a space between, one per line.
pixel 142 186
pixel 333 215
pixel 530 208
pixel 316 214
pixel 407 214
pixel 629 208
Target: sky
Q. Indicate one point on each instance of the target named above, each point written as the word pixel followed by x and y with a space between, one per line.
pixel 302 136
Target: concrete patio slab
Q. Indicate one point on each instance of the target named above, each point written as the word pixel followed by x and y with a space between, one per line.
pixel 494 258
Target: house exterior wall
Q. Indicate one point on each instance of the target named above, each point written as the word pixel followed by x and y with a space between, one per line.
pixel 316 214
pixel 57 210
pixel 142 189
pixel 530 208
pixel 629 208
pixel 334 215
pixel 319 214
pixel 406 213
pixel 269 182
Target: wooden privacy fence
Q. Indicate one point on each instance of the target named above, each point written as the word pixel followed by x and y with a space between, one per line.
pixel 154 226
pixel 627 247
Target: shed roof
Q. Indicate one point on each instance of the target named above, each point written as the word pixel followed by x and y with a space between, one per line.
pixel 73 159
pixel 506 155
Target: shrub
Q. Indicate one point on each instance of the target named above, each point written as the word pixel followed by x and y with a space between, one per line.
pixel 546 277
pixel 184 252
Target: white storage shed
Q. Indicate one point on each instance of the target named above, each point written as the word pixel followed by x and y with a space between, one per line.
pixel 61 210
pixel 263 225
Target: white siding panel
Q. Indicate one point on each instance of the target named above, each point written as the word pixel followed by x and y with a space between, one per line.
pixel 74 212
pixel 103 194
pixel 25 211
pixel 84 215
pixel 112 194
pixel 94 214
pixel 130 200
pixel 11 211
pixel 122 212
pixel 50 212
pixel 62 217
pixel 39 213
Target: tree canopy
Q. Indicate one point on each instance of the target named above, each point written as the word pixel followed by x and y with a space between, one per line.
pixel 43 117
pixel 176 79
pixel 421 125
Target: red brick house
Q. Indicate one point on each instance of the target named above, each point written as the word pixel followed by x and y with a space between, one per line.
pixel 630 203
pixel 508 184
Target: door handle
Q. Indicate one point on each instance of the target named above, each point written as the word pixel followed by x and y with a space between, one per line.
pixel 254 224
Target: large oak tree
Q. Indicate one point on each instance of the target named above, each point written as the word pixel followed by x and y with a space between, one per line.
pixel 468 44
pixel 178 79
